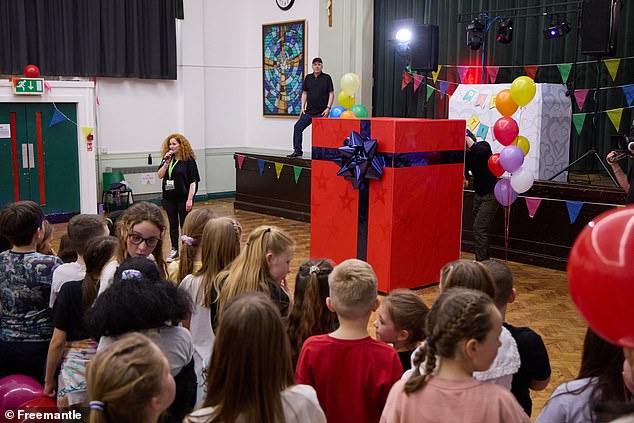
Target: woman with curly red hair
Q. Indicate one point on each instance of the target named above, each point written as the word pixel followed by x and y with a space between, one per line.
pixel 180 183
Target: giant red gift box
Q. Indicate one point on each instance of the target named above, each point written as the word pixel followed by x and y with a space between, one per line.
pixel 414 212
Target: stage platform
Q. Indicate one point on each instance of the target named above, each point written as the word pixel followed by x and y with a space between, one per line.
pixel 281 186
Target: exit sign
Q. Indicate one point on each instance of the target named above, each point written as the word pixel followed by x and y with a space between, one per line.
pixel 29 86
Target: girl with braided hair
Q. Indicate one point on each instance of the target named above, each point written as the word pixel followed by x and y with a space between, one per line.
pixel 462 327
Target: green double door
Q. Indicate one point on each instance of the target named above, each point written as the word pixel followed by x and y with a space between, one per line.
pixel 40 161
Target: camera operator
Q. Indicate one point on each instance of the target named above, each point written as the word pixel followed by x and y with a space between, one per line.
pixel 613 157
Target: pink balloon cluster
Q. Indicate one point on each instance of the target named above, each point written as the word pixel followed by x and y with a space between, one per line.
pixel 511 157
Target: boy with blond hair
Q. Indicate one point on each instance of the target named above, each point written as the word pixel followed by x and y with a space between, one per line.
pixel 351 372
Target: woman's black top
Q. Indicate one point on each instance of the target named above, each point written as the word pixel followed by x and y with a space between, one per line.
pixel 183 174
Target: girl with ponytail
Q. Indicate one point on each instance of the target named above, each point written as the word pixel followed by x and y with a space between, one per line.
pixel 309 315
pixel 130 381
pixel 261 266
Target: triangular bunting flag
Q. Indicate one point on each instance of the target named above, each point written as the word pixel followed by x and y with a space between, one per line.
pixel 56 118
pixel 462 73
pixel 278 169
pixel 430 91
pixel 531 71
pixel 492 72
pixel 86 130
pixel 628 90
pixel 564 71
pixel 406 79
pixel 574 207
pixel 240 160
pixel 615 116
pixel 261 165
pixel 434 75
pixel 298 171
pixel 417 80
pixel 580 96
pixel 613 67
pixel 443 87
pixel 532 204
pixel 579 119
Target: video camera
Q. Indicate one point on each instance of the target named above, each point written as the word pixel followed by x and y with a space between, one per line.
pixel 624 145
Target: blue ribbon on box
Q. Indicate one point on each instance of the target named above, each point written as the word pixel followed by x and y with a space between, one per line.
pixel 360 161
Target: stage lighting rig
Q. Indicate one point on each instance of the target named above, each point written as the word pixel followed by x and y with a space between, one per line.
pixel 505 31
pixel 557 28
pixel 475 34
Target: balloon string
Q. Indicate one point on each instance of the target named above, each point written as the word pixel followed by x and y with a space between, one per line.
pixel 506 233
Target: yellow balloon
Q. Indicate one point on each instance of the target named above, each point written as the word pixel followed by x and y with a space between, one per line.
pixel 523 144
pixel 350 83
pixel 523 90
pixel 345 100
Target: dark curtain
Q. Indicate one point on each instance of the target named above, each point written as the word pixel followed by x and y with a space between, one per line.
pixel 527 48
pixel 115 38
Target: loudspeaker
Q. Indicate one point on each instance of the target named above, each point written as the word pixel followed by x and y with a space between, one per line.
pixel 599 22
pixel 424 48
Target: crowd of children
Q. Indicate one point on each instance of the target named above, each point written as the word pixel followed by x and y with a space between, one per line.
pixel 218 336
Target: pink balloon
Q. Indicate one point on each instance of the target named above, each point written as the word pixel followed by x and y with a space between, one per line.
pixel 506 130
pixel 504 192
pixel 511 158
pixel 15 390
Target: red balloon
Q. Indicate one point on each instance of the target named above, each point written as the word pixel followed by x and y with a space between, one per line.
pixel 31 71
pixel 506 130
pixel 495 166
pixel 601 275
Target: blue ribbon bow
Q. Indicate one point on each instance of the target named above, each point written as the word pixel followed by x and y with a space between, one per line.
pixel 360 160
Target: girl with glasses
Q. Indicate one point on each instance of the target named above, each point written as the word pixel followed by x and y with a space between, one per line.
pixel 140 232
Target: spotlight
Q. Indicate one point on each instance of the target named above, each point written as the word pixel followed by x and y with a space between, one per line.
pixel 557 28
pixel 505 31
pixel 475 34
pixel 403 35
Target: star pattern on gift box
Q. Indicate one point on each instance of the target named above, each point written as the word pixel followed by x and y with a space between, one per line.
pixel 378 193
pixel 346 200
pixel 321 180
pixel 359 159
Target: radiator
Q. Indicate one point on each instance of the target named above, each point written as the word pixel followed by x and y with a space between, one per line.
pixel 141 179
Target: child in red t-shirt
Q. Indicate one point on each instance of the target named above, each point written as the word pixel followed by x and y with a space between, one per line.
pixel 351 372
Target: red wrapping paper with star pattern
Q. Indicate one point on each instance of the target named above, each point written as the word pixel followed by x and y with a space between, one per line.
pixel 415 211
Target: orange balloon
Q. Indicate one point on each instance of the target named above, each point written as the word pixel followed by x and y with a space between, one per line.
pixel 348 115
pixel 505 104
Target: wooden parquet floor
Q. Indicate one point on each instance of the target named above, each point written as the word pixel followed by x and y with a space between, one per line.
pixel 543 303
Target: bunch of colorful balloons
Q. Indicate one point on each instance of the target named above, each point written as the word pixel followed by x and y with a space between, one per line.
pixel 516 147
pixel 350 84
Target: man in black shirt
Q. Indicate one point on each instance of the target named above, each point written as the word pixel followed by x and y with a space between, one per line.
pixel 318 95
pixel 484 203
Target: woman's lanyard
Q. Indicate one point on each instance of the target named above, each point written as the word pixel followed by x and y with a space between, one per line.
pixel 170 168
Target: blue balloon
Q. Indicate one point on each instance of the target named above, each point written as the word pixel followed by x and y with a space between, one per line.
pixel 336 111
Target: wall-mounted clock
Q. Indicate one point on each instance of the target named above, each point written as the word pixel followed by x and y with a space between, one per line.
pixel 284 4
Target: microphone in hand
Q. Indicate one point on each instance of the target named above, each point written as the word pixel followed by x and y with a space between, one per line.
pixel 166 158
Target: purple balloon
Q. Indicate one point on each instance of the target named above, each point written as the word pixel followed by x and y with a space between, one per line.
pixel 15 390
pixel 504 193
pixel 511 158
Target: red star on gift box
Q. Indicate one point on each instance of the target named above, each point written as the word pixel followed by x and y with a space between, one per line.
pixel 378 193
pixel 346 201
pixel 321 180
